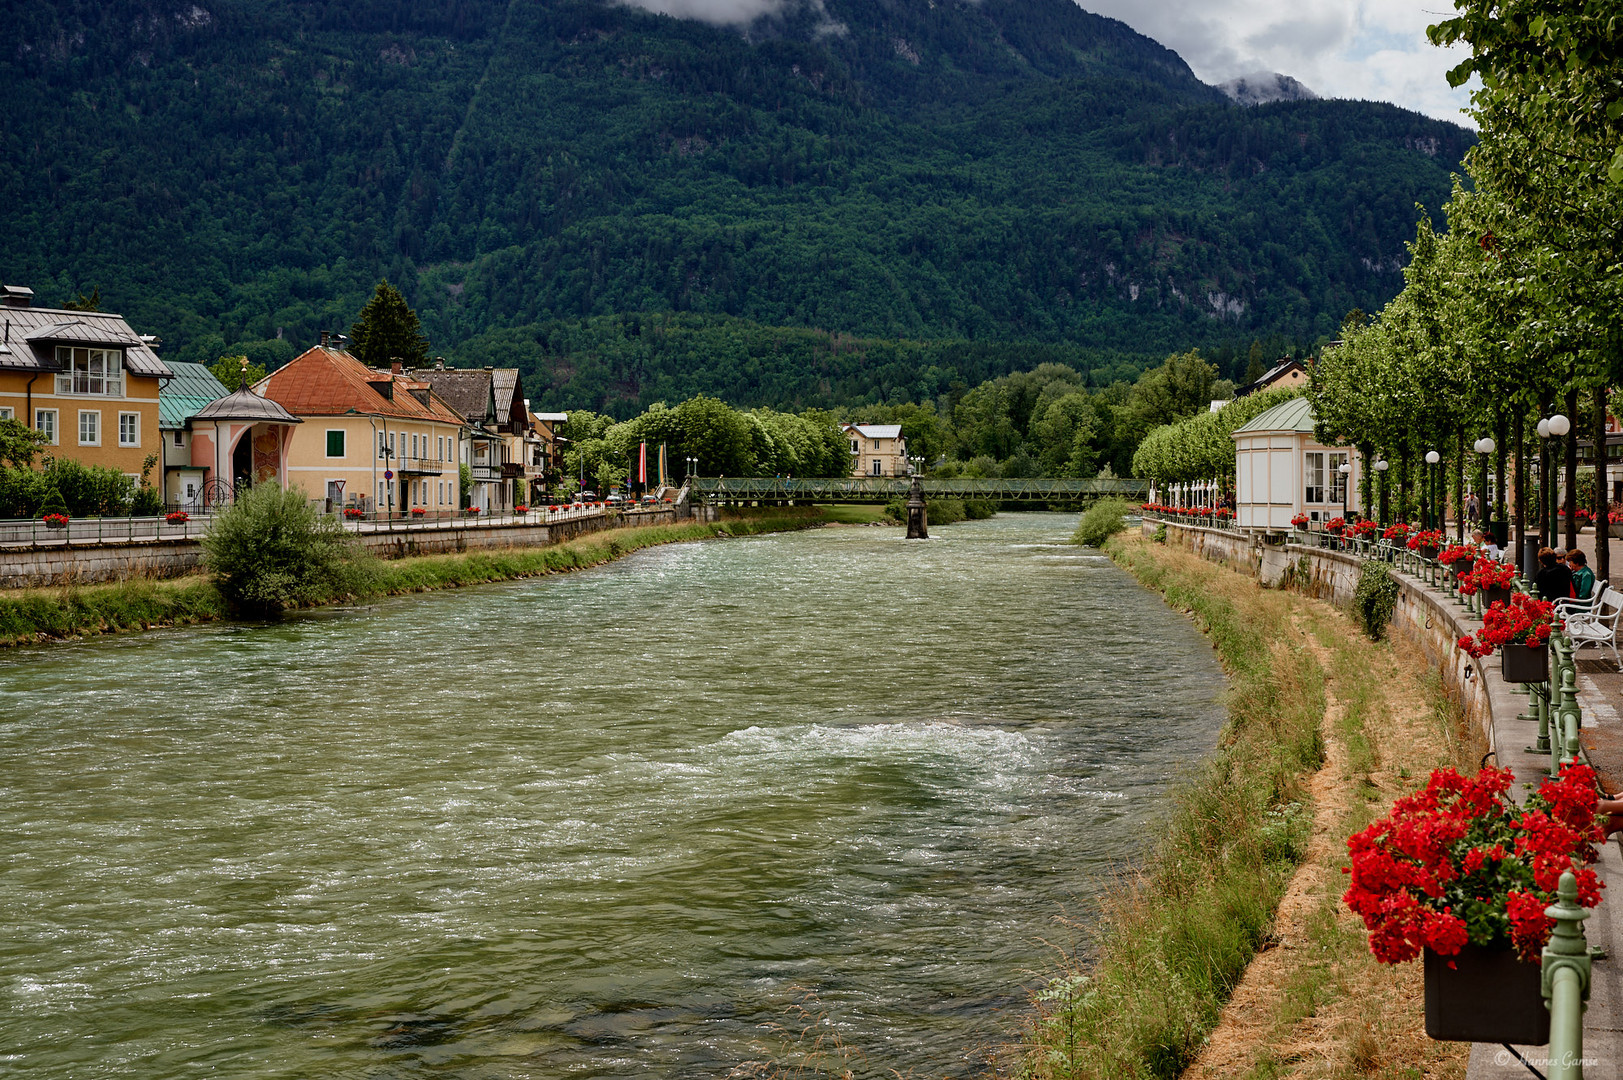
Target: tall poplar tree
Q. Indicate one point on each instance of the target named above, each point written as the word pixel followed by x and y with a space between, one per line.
pixel 388 330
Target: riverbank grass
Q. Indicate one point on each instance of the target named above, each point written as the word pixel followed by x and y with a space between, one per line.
pixel 1175 937
pixel 32 615
pixel 1228 953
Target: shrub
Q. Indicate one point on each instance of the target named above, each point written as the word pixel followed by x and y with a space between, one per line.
pixel 147 502
pixel 22 493
pixel 1101 521
pixel 91 490
pixel 53 503
pixel 271 550
pixel 1374 600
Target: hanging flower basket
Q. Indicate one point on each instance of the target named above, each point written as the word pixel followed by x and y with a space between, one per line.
pixel 177 517
pixel 354 513
pixel 1396 534
pixel 55 521
pixel 1300 521
pixel 1335 525
pixel 418 511
pixel 521 509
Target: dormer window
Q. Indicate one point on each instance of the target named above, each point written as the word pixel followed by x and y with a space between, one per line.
pixel 90 371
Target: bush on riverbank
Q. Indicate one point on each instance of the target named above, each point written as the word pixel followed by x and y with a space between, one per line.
pixel 1100 522
pixel 270 550
pixel 1176 938
pixel 1374 599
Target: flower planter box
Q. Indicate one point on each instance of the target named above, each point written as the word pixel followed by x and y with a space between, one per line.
pixel 1524 663
pixel 1495 593
pixel 1488 996
pixel 1427 553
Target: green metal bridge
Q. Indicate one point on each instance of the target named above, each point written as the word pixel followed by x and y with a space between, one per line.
pixel 882 489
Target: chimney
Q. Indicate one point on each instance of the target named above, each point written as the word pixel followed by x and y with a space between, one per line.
pixel 439 363
pixel 324 339
pixel 17 295
pixel 394 367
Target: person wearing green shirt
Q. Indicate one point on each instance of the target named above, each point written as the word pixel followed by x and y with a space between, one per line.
pixel 1583 578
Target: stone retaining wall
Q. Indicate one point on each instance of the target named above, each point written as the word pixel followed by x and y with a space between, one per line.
pixel 1424 620
pixel 88 564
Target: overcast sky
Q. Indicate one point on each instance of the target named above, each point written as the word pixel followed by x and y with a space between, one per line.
pixel 1374 49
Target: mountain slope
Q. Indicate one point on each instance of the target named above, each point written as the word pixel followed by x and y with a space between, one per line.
pixel 234 172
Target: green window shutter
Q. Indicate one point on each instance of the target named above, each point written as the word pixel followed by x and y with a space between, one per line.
pixel 335 444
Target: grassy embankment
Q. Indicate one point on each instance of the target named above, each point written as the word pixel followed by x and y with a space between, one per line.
pixel 1240 898
pixel 34 614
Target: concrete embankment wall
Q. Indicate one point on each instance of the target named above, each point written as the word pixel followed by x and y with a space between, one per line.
pixel 1425 622
pixel 86 564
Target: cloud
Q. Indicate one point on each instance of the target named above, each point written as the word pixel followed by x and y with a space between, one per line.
pixel 1370 49
pixel 715 12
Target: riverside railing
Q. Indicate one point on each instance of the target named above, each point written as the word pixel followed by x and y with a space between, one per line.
pixel 1566 963
pixel 92 531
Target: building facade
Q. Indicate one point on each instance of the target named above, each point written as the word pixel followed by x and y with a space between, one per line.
pixel 380 441
pixel 83 379
pixel 877 449
pixel 1281 470
pixel 497 453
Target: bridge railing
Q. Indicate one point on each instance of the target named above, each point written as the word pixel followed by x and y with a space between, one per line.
pixel 885 488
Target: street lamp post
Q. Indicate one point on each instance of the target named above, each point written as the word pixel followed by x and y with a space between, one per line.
pixel 1559 426
pixel 1380 475
pixel 1430 515
pixel 1484 447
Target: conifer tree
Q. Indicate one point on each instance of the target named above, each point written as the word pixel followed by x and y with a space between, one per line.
pixel 388 330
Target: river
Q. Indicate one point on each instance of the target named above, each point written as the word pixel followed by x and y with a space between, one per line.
pixel 605 824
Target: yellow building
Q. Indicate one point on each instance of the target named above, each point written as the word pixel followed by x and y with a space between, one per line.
pixel 877 449
pixel 379 440
pixel 83 379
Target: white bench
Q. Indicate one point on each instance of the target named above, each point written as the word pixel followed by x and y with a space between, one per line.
pixel 1598 626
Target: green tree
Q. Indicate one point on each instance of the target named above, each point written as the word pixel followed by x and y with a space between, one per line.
pixel 230 371
pixel 18 444
pixel 388 330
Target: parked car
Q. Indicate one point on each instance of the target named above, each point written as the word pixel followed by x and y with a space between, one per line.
pixel 586 496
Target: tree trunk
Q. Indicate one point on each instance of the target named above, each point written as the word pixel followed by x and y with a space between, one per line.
pixel 1500 497
pixel 1546 488
pixel 1603 532
pixel 1571 501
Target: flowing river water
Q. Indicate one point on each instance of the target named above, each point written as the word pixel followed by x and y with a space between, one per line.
pixel 605 824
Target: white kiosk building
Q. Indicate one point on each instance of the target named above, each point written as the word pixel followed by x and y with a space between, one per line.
pixel 1281 471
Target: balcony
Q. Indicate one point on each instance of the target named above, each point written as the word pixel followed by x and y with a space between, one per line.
pixel 82 385
pixel 422 466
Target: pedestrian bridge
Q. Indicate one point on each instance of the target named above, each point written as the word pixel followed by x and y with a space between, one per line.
pixel 883 489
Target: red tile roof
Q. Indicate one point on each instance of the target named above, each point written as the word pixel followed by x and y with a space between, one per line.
pixel 330 382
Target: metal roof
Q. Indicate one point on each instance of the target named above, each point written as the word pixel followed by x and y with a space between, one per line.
pixel 876 431
pixel 193 387
pixel 30 335
pixel 552 417
pixel 1293 415
pixel 246 405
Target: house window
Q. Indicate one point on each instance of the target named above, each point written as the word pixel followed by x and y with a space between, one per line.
pixel 876 444
pixel 89 371
pixel 129 429
pixel 89 427
pixel 45 424
pixel 382 446
pixel 878 467
pixel 335 442
pixel 179 438
pixel 856 448
pixel 1313 476
pixel 6 414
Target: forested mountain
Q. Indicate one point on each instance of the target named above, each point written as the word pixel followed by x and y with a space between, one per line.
pixel 235 175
